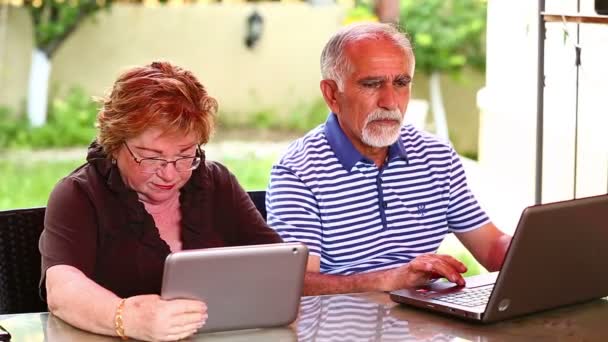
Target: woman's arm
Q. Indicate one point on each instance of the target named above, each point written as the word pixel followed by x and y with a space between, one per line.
pixel 80 301
pixel 83 303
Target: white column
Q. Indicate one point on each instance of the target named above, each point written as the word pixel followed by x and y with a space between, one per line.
pixel 38 91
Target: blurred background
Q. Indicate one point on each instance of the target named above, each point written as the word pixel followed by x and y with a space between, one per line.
pixel 475 84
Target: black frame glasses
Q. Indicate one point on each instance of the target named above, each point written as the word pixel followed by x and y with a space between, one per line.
pixel 153 165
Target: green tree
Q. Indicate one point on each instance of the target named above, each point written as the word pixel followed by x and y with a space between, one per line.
pixel 53 21
pixel 447 35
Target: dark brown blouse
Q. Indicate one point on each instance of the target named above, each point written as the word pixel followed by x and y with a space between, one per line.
pixel 96 224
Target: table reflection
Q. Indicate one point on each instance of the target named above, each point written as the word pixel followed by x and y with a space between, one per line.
pixel 364 317
pixel 57 330
pixel 45 327
pixel 356 318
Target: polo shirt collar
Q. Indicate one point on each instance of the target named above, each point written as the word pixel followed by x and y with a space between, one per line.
pixel 344 149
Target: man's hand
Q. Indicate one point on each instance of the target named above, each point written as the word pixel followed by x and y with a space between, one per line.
pixel 422 269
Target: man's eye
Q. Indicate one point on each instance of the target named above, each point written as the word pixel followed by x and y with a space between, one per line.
pixel 371 84
pixel 402 83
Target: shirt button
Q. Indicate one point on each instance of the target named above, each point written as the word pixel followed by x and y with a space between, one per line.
pixel 384 204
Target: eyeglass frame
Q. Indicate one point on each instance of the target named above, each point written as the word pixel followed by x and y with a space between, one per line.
pixel 196 159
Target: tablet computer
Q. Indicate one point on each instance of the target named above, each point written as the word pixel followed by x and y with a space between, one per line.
pixel 244 287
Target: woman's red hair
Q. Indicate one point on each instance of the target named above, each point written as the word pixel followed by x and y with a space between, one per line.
pixel 158 95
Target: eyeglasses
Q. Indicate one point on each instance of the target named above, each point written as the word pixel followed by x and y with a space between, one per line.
pixel 153 165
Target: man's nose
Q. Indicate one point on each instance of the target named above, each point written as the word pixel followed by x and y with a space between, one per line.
pixel 388 99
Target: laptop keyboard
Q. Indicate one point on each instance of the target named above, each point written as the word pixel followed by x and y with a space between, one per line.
pixel 468 297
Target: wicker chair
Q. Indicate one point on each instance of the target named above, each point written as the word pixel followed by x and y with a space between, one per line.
pixel 20 258
pixel 259 199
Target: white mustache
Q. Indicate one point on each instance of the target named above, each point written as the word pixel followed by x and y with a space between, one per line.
pixel 384 115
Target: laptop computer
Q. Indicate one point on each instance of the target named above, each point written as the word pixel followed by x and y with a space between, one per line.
pixel 557 257
pixel 244 287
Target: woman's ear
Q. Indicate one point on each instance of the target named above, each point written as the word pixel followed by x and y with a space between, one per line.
pixel 330 91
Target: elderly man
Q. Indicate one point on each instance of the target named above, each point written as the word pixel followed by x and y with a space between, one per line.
pixel 372 198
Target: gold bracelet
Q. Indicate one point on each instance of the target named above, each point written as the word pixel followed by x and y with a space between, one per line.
pixel 118 324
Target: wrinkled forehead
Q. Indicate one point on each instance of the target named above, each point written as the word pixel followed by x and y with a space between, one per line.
pixel 372 40
pixel 378 57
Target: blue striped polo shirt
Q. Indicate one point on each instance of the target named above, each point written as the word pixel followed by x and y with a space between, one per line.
pixel 357 217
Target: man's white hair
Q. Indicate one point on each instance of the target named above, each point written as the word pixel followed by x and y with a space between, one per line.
pixel 336 66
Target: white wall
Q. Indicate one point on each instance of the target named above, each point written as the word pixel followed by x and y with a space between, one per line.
pixel 592 163
pixel 508 111
pixel 575 146
pixel 508 103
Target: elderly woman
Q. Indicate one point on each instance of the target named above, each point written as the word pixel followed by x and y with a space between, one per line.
pixel 145 191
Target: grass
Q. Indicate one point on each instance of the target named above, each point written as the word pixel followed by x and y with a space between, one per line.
pixel 253 174
pixel 28 184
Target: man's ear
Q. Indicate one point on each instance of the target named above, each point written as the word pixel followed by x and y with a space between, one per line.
pixel 329 89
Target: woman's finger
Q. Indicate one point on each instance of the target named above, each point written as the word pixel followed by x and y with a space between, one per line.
pixel 179 336
pixel 181 325
pixel 179 306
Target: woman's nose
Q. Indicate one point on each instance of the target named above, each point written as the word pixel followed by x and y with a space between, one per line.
pixel 168 171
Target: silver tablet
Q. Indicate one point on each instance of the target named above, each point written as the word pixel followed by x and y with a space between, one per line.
pixel 244 287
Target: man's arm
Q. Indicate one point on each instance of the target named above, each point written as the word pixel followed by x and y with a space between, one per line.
pixel 316 283
pixel 415 273
pixel 488 244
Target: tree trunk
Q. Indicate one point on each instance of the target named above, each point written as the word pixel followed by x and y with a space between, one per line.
pixel 387 11
pixel 38 91
pixel 439 117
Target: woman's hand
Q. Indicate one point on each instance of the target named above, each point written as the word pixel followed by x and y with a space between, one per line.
pixel 150 318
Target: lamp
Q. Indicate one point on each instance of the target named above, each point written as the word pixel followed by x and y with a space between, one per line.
pixel 255 24
pixel 601 6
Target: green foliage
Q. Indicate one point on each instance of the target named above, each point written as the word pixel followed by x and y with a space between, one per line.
pixel 453 247
pixel 252 172
pixel 9 127
pixel 70 123
pixel 304 118
pixel 447 34
pixel 361 12
pixel 55 20
pixel 300 119
pixel 473 267
pixel 473 155
pixel 74 116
